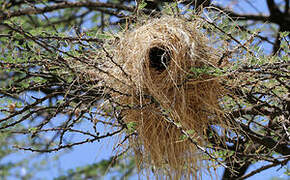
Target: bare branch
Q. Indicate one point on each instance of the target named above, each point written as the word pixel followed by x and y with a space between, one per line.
pixel 63 5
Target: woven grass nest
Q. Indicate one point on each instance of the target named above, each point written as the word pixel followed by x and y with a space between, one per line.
pixel 155 79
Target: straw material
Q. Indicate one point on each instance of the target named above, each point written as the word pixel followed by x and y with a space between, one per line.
pixel 154 79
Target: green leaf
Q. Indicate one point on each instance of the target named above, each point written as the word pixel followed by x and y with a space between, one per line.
pixel 142 5
pixel 131 127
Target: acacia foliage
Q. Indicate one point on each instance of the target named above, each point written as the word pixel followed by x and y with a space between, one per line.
pixel 44 92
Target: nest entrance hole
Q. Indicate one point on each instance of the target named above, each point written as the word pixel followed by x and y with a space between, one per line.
pixel 159 58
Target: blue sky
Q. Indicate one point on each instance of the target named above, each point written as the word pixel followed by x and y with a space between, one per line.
pixel 94 152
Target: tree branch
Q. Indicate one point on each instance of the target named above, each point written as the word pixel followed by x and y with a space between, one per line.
pixel 273 8
pixel 264 168
pixel 242 17
pixel 266 141
pixel 64 5
pixel 286 11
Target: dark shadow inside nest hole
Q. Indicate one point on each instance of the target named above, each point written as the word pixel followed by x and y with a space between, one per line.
pixel 159 58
